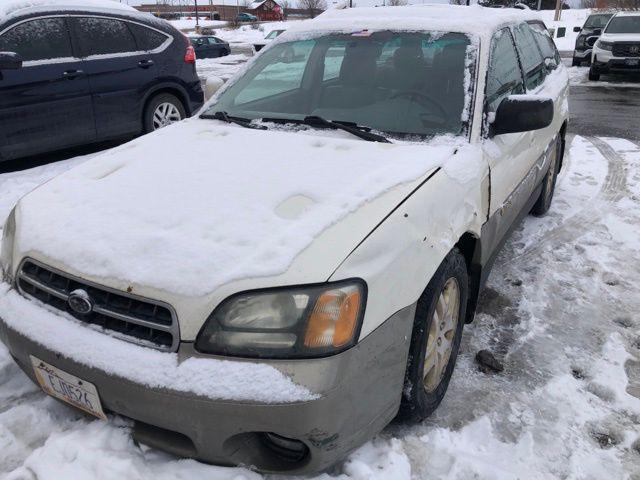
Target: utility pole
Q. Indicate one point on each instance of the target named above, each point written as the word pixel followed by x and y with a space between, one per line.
pixel 197 19
pixel 558 13
pixel 539 4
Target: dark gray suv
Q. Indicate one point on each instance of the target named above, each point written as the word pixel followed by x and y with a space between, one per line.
pixel 79 75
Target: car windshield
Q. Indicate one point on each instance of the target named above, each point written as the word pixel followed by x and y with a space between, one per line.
pixel 397 83
pixel 597 21
pixel 624 25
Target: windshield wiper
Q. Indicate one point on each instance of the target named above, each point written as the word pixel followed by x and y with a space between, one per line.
pixel 350 127
pixel 353 128
pixel 223 116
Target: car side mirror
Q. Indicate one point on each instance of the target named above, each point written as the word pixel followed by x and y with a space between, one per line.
pixel 561 32
pixel 577 29
pixel 10 61
pixel 597 31
pixel 522 113
pixel 212 85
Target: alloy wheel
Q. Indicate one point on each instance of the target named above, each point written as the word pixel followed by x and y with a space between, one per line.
pixel 165 114
pixel 442 331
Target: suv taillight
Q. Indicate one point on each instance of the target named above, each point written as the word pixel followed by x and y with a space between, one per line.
pixel 190 55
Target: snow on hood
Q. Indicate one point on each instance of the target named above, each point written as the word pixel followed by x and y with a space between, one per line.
pixel 8 7
pixel 199 204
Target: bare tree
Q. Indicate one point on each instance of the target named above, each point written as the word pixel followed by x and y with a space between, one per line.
pixel 396 3
pixel 313 7
pixel 616 4
pixel 457 2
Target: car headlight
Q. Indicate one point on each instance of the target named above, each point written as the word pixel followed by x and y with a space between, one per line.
pixel 604 45
pixel 6 248
pixel 297 322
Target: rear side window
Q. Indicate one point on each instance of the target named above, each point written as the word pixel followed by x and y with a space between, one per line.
pixel 546 45
pixel 42 39
pixel 103 36
pixel 504 77
pixel 530 56
pixel 146 38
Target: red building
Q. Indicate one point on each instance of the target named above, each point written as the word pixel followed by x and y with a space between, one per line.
pixel 266 10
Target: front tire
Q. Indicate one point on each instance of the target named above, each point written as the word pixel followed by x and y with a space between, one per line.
pixel 576 62
pixel 162 110
pixel 594 75
pixel 437 330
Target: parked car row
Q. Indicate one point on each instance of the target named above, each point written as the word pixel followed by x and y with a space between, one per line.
pixel 80 75
pixel 609 43
pixel 277 304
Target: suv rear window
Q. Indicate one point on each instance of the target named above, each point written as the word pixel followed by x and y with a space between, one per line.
pixel 42 39
pixel 102 36
pixel 147 38
pixel 530 56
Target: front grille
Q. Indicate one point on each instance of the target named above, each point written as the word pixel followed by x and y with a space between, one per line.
pixel 626 49
pixel 129 317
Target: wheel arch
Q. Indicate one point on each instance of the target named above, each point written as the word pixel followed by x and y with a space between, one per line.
pixel 563 133
pixel 470 246
pixel 173 89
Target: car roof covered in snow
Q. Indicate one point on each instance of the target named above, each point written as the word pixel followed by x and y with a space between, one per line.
pixel 12 8
pixel 475 20
pixel 631 13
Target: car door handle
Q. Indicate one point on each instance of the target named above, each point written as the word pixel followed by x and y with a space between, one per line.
pixel 145 63
pixel 71 74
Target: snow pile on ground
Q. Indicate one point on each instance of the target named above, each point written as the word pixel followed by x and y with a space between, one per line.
pixel 560 310
pixel 223 67
pixel 189 23
pixel 579 76
pixel 130 213
pixel 8 7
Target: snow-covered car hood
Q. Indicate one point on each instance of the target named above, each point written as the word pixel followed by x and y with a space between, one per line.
pixel 199 204
pixel 620 37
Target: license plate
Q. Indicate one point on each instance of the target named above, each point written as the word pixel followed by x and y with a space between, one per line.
pixel 634 62
pixel 68 388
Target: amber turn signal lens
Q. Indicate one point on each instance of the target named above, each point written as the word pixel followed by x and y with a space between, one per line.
pixel 334 318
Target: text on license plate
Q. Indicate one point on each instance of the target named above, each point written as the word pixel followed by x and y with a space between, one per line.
pixel 68 388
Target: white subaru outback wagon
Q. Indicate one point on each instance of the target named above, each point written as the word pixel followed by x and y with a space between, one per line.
pixel 273 282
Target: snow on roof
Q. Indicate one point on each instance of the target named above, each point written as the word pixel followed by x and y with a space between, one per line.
pixel 633 13
pixel 10 7
pixel 447 18
pixel 257 4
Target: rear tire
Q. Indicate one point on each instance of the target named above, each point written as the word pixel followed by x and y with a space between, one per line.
pixel 425 387
pixel 542 205
pixel 594 75
pixel 576 62
pixel 162 110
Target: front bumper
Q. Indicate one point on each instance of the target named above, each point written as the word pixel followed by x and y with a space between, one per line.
pixel 609 64
pixel 358 391
pixel 582 54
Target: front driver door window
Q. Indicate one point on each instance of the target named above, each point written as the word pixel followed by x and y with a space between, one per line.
pixel 46 104
pixel 507 154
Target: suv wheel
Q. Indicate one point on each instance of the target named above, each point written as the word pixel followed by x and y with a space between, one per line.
pixel 575 62
pixel 543 203
pixel 163 110
pixel 437 330
pixel 594 75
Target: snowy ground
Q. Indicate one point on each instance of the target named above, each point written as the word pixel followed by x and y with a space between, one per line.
pixel 560 310
pixel 579 76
